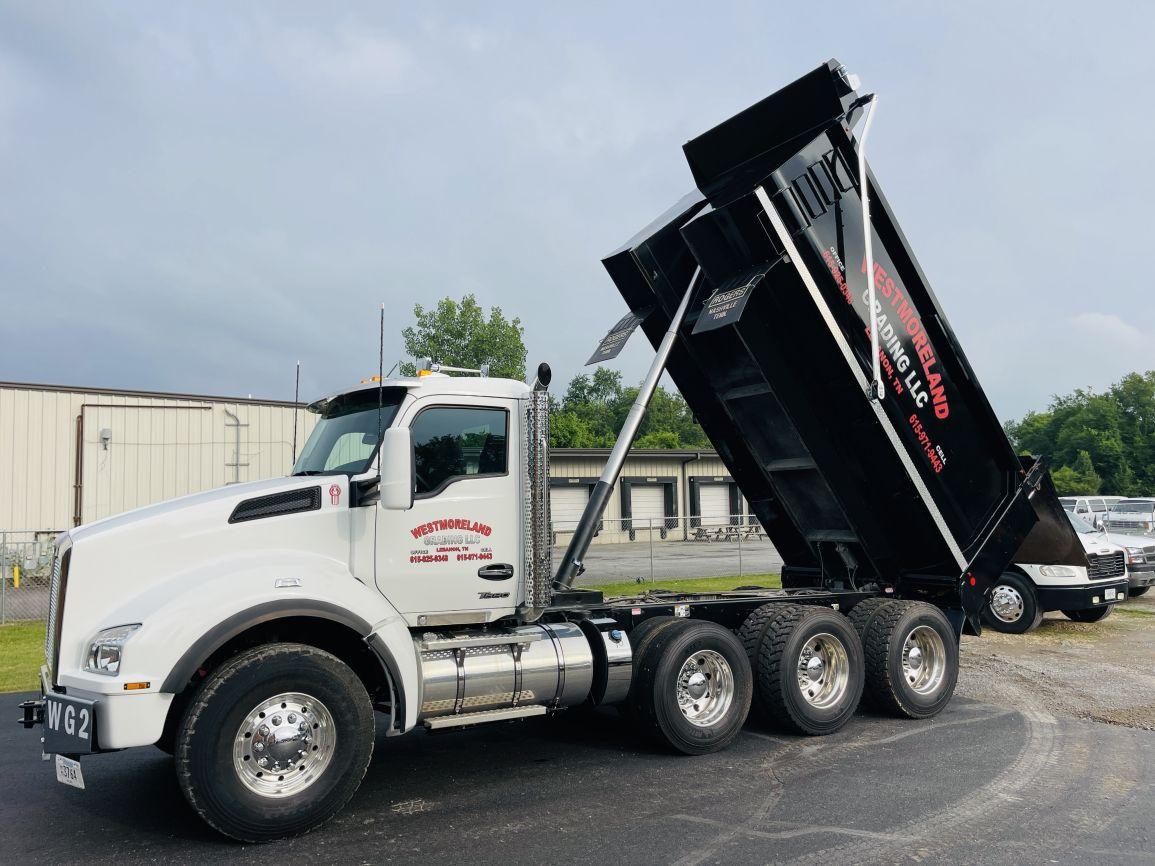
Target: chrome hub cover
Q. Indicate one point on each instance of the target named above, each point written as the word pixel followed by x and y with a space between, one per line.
pixel 924 660
pixel 705 688
pixel 284 744
pixel 1006 603
pixel 823 670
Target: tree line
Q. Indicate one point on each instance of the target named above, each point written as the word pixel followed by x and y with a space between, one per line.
pixel 1096 442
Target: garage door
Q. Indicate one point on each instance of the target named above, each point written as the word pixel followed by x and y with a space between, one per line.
pixel 648 501
pixel 566 505
pixel 714 504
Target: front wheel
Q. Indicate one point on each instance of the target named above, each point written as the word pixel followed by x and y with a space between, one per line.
pixel 1137 591
pixel 1013 607
pixel 275 742
pixel 1093 614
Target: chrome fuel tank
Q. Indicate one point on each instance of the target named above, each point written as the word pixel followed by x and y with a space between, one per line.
pixel 467 672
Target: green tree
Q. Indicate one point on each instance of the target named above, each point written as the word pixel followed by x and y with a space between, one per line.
pixel 595 406
pixel 459 334
pixel 1115 429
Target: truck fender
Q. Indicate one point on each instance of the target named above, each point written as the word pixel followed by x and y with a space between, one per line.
pixel 206 606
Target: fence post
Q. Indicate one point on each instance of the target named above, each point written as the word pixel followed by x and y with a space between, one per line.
pixel 741 572
pixel 3 577
pixel 651 522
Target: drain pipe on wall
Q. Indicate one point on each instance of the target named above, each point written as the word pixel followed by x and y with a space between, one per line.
pixel 236 464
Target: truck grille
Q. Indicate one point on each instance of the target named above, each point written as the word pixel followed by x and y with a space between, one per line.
pixel 56 592
pixel 1106 565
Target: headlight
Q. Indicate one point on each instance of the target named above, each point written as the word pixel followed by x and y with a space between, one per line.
pixel 1058 571
pixel 106 649
pixel 1134 554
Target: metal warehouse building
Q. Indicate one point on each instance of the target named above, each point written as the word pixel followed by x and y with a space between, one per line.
pixel 73 455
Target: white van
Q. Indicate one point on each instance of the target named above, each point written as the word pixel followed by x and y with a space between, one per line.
pixel 1093 509
pixel 1136 516
pixel 1025 592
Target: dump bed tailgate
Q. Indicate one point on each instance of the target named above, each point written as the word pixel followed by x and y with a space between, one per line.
pixel 774 358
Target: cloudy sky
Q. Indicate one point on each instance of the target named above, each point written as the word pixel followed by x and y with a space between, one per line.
pixel 195 195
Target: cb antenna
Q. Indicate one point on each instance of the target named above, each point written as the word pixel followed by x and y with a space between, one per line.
pixel 380 380
pixel 296 407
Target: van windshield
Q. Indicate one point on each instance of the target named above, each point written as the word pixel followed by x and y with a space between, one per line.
pixel 344 442
pixel 1134 507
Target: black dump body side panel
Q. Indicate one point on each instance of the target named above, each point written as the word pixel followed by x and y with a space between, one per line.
pixel 774 359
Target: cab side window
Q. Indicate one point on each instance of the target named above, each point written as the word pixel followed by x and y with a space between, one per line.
pixel 455 442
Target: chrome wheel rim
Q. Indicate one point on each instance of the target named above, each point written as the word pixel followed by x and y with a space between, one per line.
pixel 1006 603
pixel 823 671
pixel 284 744
pixel 924 660
pixel 705 688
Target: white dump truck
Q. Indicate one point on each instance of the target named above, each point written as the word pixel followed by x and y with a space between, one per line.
pixel 403 570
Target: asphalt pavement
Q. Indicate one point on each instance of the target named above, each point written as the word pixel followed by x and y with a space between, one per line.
pixel 982 783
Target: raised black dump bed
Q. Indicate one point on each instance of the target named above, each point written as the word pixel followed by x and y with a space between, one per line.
pixel 918 491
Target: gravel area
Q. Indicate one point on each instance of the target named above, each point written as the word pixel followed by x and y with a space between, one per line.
pixel 1103 671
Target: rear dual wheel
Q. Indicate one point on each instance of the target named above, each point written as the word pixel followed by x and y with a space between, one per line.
pixel 692 685
pixel 807 663
pixel 911 658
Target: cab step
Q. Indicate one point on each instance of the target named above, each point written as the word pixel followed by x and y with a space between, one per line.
pixel 463 719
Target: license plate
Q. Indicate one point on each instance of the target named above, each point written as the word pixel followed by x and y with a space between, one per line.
pixel 1109 594
pixel 68 771
pixel 69 725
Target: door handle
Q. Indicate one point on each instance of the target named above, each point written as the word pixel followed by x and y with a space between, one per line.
pixel 496 571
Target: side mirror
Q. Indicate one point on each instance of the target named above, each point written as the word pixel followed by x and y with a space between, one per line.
pixel 397 469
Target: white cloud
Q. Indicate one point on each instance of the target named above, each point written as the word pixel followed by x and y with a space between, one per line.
pixel 1109 331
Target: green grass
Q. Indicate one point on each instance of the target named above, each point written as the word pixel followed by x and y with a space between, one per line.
pixel 697 584
pixel 21 654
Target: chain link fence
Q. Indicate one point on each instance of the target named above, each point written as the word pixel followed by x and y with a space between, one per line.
pixel 25 573
pixel 648 549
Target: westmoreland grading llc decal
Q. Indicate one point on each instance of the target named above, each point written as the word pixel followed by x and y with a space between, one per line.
pixel 456 538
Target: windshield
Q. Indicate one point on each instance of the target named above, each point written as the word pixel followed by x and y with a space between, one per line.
pixel 344 441
pixel 1081 526
pixel 1069 507
pixel 1133 507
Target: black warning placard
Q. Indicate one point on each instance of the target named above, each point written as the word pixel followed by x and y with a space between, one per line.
pixel 612 343
pixel 725 306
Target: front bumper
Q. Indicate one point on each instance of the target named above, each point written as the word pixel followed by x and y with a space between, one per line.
pixel 1141 575
pixel 1083 597
pixel 119 721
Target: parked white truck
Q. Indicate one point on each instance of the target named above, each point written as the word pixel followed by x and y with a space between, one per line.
pixel 1025 591
pixel 404 567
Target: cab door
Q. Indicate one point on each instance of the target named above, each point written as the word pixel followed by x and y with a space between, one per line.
pixel 455 556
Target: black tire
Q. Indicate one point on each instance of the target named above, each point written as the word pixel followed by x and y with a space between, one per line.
pixel 750 636
pixel 913 689
pixel 1026 601
pixel 640 637
pixel 1091 614
pixel 221 710
pixel 1137 591
pixel 720 658
pixel 776 673
pixel 864 613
